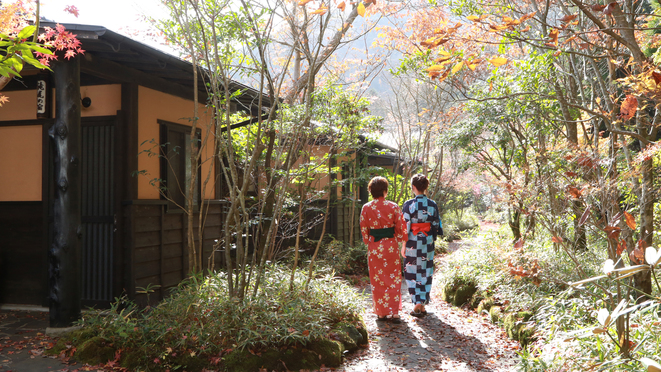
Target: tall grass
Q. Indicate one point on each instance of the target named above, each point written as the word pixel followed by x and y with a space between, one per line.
pixel 564 315
pixel 199 317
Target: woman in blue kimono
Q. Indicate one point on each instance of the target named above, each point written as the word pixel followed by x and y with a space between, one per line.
pixel 423 225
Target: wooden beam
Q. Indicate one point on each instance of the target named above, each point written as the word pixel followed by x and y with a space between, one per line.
pixel 64 254
pixel 112 71
pixel 244 123
pixel 128 163
pixel 129 130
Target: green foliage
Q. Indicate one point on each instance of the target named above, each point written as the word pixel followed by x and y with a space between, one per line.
pixel 343 115
pixel 456 222
pixel 489 262
pixel 577 317
pixel 496 214
pixel 191 25
pixel 465 7
pixel 342 258
pixel 461 220
pixel 440 247
pixel 476 264
pixel 199 317
pixel 16 51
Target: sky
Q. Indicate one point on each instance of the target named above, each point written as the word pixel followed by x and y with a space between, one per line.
pixel 121 16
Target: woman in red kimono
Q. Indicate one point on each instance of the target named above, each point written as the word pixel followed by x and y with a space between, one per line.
pixel 382 227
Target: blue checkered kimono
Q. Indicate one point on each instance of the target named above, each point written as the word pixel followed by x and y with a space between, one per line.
pixel 420 248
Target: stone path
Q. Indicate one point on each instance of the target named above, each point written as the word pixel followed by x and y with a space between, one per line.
pixel 22 343
pixel 447 339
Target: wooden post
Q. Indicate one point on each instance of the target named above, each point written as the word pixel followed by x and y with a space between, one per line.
pixel 64 255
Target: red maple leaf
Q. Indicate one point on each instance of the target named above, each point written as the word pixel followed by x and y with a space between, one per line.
pixel 613 232
pixel 610 7
pixel 72 9
pixel 621 246
pixel 628 108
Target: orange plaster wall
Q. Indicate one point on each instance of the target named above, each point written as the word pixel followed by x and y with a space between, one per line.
pixel 320 177
pixel 106 100
pixel 22 105
pixel 20 163
pixel 154 105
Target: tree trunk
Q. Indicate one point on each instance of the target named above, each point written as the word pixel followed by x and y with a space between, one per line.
pixel 269 198
pixel 515 224
pixel 644 280
pixel 64 255
pixel 297 248
pixel 354 196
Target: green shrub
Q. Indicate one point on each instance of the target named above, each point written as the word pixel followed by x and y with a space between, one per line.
pixel 496 215
pixel 455 224
pixel 199 320
pixel 344 259
pixel 440 247
pixel 465 220
pixel 571 316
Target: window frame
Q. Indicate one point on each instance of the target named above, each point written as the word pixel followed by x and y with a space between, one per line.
pixel 165 147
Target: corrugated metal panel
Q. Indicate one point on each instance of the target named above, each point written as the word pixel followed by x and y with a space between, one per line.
pixel 98 210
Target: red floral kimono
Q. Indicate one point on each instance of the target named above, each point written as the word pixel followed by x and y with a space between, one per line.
pixel 383 255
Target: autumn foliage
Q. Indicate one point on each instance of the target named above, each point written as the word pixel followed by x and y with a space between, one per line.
pixel 20 45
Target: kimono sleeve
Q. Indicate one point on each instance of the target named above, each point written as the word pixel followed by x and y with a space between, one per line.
pixel 401 227
pixel 406 216
pixel 364 225
pixel 436 224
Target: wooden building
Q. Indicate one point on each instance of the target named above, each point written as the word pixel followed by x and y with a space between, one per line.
pixel 133 98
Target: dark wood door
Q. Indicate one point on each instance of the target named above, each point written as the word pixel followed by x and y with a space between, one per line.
pixel 98 209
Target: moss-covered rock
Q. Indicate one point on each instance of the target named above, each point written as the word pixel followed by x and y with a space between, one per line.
pixel 518 328
pixel 485 305
pixel 132 360
pixel 495 314
pixel 329 352
pixel 447 293
pixel 476 299
pixel 459 292
pixel 294 358
pixel 95 351
pixel 351 336
pixel 73 338
pixel 464 294
pixel 526 335
pixel 524 315
pixel 509 322
pixel 59 347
